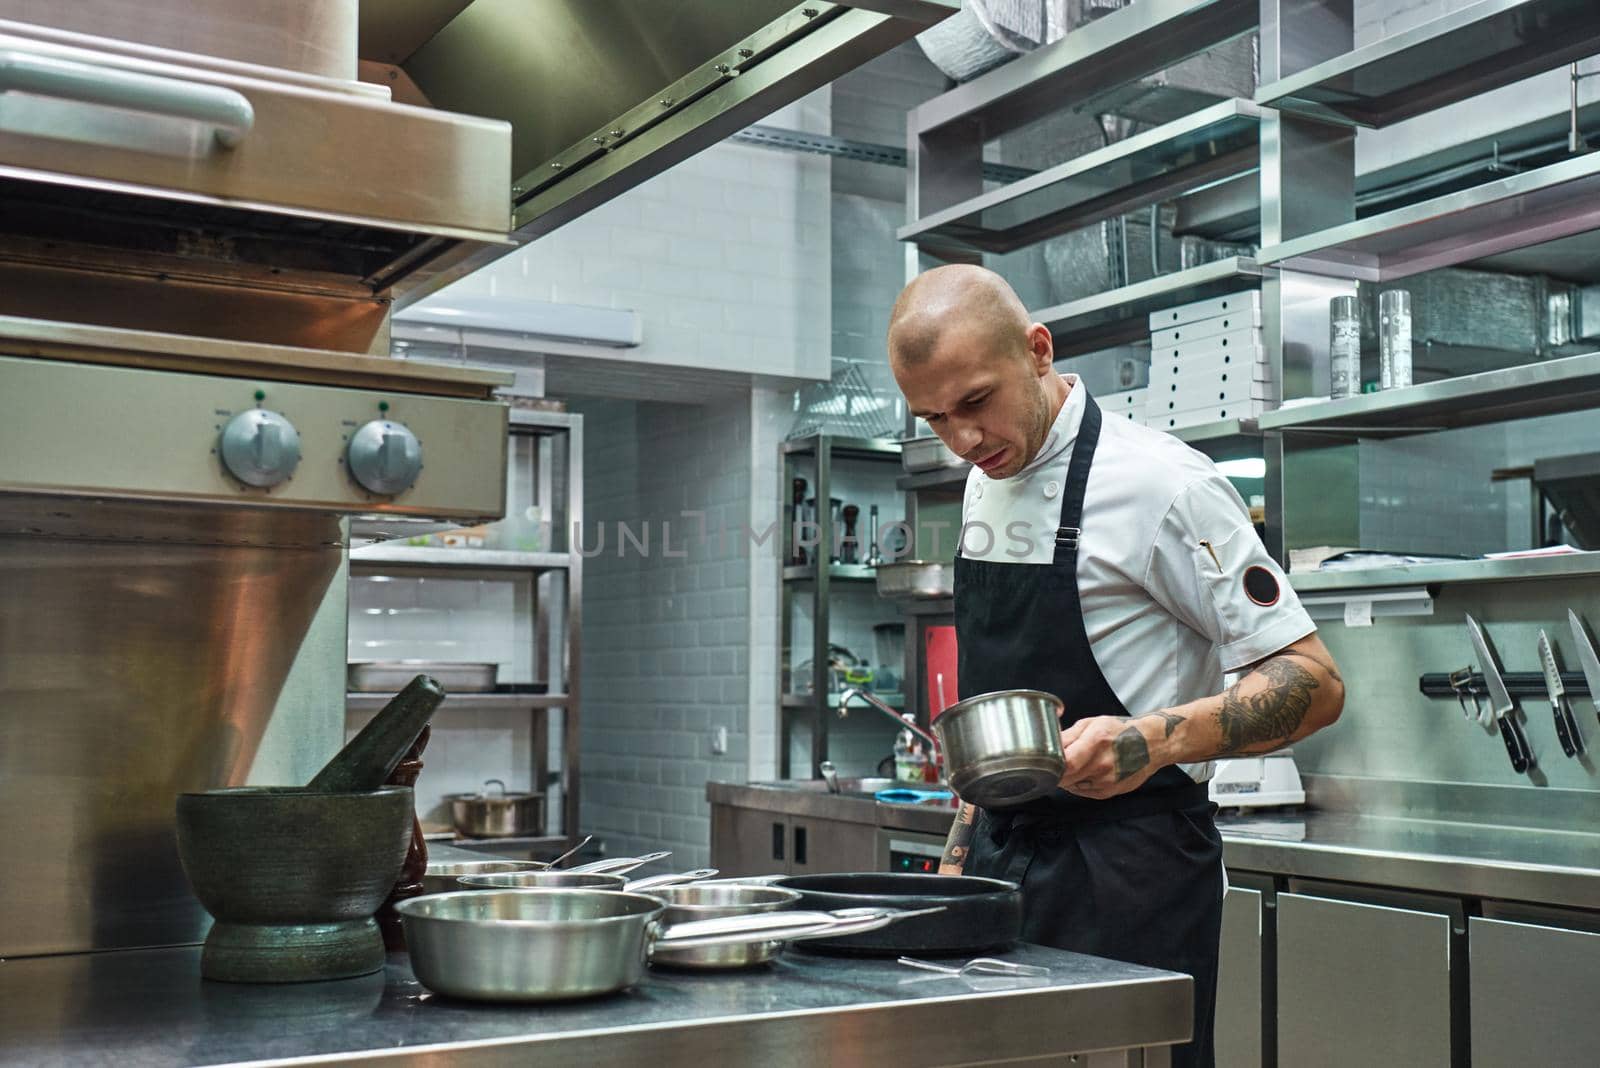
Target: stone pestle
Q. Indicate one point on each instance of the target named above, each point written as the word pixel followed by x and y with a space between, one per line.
pixel 372 755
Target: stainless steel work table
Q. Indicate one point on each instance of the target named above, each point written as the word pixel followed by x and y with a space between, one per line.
pixel 1465 859
pixel 1442 856
pixel 150 1007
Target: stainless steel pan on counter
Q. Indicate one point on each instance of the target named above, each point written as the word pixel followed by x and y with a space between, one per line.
pixel 555 945
pixel 699 901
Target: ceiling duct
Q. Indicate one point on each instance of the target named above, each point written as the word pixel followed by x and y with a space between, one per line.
pixel 603 94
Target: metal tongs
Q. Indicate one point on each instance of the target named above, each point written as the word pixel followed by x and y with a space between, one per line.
pixel 978 966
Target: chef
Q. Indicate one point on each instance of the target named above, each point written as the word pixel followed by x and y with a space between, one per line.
pixel 1113 566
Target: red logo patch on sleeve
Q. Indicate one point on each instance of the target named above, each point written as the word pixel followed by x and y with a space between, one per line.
pixel 1261 586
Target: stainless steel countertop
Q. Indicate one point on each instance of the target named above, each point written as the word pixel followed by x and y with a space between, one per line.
pixel 1469 859
pixel 1442 856
pixel 810 798
pixel 150 1007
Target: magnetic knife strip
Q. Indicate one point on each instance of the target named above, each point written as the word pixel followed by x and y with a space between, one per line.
pixel 1518 684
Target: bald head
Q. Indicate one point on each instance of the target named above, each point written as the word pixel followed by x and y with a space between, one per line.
pixel 971 301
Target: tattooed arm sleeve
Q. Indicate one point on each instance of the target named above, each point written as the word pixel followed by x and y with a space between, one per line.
pixel 959 842
pixel 1285 697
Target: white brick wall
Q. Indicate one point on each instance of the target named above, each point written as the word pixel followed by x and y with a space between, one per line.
pixel 724 257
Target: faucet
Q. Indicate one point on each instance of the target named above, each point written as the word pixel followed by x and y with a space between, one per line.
pixel 906 720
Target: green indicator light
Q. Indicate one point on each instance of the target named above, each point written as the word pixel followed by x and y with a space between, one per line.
pixel 261 394
pixel 383 406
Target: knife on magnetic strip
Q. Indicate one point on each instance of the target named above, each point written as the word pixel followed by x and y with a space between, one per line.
pixel 1500 700
pixel 1586 657
pixel 1566 728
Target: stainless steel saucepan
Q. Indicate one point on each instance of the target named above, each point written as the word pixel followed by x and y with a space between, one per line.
pixel 552 945
pixel 578 880
pixel 1003 748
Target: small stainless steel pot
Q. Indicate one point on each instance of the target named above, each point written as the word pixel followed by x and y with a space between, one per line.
pixel 1004 748
pixel 496 815
pixel 916 580
pixel 554 945
pixel 702 902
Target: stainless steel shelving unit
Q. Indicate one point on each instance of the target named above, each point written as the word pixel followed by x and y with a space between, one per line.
pixel 558 491
pixel 1448 59
pixel 1517 211
pixel 1547 388
pixel 1515 569
pixel 816 578
pixel 1157 165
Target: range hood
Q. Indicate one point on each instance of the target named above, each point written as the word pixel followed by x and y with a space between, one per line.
pixel 603 94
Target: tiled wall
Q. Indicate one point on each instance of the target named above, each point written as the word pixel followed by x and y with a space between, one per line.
pixel 665 637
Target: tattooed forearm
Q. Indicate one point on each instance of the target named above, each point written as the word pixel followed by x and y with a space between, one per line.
pixel 1130 753
pixel 1325 665
pixel 959 841
pixel 1172 720
pixel 1269 714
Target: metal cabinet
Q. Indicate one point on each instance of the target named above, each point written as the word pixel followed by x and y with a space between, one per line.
pixel 1241 979
pixel 747 841
pixel 1362 984
pixel 1532 994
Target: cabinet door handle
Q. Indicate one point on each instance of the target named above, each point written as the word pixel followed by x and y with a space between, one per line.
pixel 799 845
pixel 777 841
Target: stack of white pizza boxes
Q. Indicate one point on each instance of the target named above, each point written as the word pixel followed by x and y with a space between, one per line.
pixel 1207 363
pixel 1129 404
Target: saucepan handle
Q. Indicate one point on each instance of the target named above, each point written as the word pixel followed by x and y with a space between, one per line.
pixel 619 865
pixel 786 926
pixel 654 882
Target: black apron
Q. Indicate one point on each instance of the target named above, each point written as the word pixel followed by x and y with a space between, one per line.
pixel 1135 878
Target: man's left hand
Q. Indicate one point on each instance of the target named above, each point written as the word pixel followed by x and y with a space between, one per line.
pixel 1107 756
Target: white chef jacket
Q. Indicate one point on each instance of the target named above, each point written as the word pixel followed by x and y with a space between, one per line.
pixel 1165 620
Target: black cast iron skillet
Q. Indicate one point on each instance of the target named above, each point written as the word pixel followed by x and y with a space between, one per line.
pixel 978 914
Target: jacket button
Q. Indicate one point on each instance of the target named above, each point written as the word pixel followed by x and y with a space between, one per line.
pixel 1051 489
pixel 977 491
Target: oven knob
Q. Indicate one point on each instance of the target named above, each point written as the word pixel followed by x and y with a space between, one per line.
pixel 384 457
pixel 260 447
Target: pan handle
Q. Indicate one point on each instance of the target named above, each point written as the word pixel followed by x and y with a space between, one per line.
pixel 787 926
pixel 654 882
pixel 619 865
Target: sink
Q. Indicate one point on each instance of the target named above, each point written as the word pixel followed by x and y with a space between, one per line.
pixel 864 787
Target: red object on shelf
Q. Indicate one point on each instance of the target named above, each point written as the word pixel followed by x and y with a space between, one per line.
pixel 940 657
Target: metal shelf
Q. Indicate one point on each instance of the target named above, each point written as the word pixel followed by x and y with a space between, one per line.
pixel 1546 388
pixel 1088 63
pixel 433 556
pixel 1120 316
pixel 1518 211
pixel 858 448
pixel 1150 167
pixel 1224 437
pixel 836 572
pixel 941 478
pixel 371 702
pixel 1481 47
pixel 1570 565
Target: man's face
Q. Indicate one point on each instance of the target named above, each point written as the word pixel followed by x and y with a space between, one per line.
pixel 989 407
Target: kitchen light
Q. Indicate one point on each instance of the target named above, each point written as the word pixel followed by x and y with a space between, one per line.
pixel 1249 467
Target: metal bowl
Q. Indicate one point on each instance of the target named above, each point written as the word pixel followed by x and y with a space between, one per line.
pixel 917 580
pixel 441 876
pixel 1002 749
pixel 927 454
pixel 709 902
